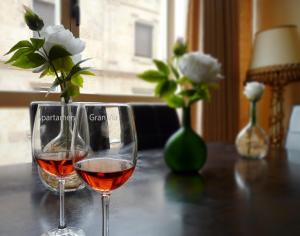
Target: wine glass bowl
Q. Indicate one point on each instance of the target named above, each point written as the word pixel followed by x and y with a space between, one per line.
pixel 104 174
pixel 58 164
pixel 51 147
pixel 109 136
pixel 51 138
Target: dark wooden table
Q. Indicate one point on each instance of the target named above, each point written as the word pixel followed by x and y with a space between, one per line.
pixel 231 197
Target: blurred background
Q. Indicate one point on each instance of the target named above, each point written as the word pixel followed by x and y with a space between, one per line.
pixel 123 36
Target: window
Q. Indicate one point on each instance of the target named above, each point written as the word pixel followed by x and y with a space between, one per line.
pixel 120 37
pixel 143 40
pixel 46 10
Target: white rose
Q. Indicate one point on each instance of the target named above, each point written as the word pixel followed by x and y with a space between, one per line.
pixel 200 67
pixel 180 40
pixel 254 91
pixel 58 35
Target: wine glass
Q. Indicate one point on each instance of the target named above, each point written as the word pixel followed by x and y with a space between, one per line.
pixel 110 145
pixel 51 147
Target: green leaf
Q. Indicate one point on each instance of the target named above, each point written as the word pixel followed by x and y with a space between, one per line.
pixel 188 92
pixel 31 60
pixel 175 101
pixel 175 71
pixel 162 67
pixel 165 88
pixel 201 94
pixel 205 94
pixel 70 90
pixel 86 72
pixel 63 64
pixel 40 68
pixel 78 70
pixel 20 44
pixel 45 72
pixel 77 80
pixel 18 54
pixel 37 43
pixel 74 91
pixel 152 76
pixel 36 58
pixel 58 52
pixel 75 72
pixel 196 98
pixel 80 62
pixel 184 80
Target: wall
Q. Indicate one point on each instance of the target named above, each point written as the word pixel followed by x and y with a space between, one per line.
pixel 272 13
pixel 13 27
pixel 108 28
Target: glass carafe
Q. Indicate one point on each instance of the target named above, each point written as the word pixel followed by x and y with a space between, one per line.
pixel 252 141
pixel 62 142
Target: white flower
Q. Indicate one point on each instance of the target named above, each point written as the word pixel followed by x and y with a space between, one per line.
pixel 180 40
pixel 200 67
pixel 58 35
pixel 254 90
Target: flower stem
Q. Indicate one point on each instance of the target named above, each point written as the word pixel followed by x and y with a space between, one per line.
pixel 252 124
pixel 51 64
pixel 253 113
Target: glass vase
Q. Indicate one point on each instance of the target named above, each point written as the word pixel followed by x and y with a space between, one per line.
pixel 252 141
pixel 61 142
pixel 185 151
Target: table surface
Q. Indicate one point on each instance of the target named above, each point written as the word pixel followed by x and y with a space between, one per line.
pixel 231 197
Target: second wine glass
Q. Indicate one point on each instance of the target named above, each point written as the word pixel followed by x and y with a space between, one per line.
pixel 109 136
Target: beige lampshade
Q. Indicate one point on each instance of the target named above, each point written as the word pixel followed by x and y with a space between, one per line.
pixel 276 46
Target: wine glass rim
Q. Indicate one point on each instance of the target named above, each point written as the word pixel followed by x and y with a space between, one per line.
pixel 103 104
pixel 53 103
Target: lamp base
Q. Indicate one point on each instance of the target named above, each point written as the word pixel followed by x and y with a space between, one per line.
pixel 276 116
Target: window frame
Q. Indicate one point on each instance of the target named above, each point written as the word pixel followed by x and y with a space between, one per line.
pixel 151 26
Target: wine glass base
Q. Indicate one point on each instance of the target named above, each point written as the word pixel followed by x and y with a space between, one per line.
pixel 68 231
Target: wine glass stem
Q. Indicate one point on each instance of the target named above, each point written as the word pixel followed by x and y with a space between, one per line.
pixel 62 223
pixel 105 213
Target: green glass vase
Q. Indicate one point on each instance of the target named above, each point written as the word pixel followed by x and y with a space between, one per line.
pixel 185 151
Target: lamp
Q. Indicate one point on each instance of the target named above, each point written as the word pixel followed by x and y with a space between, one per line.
pixel 276 63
